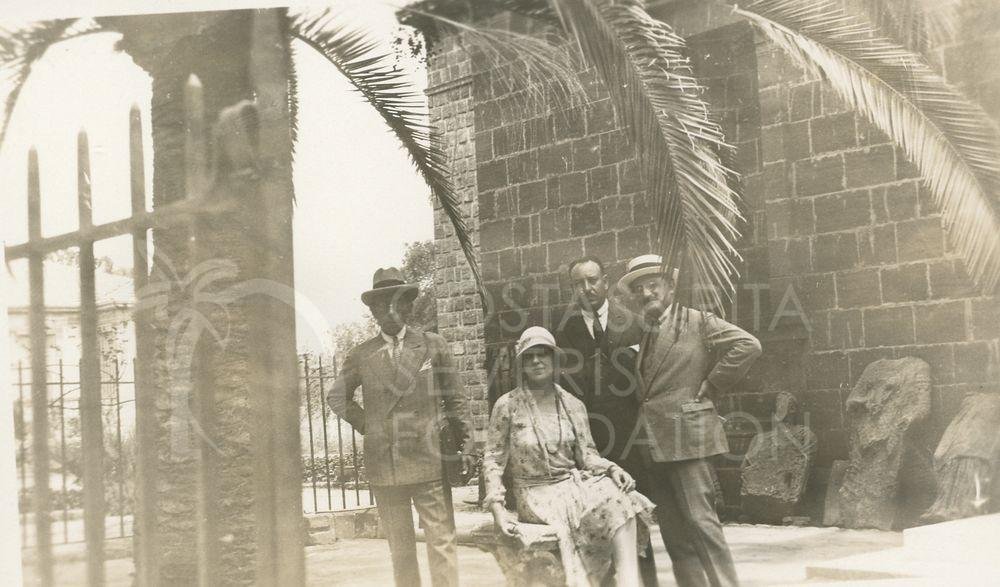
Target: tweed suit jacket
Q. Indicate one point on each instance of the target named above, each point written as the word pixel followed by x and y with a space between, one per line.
pixel 604 377
pixel 672 366
pixel 403 406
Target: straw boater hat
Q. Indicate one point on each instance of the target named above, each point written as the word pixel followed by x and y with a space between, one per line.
pixel 644 265
pixel 389 282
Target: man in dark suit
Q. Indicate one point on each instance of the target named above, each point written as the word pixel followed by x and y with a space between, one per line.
pixel 600 339
pixel 686 358
pixel 409 388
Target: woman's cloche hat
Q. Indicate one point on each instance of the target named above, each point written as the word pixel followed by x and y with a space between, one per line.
pixel 535 336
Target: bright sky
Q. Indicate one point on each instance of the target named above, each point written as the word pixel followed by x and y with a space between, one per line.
pixel 359 199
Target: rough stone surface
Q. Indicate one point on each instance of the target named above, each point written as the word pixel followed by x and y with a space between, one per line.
pixel 359 523
pixel 882 481
pixel 967 462
pixel 776 467
pixel 530 559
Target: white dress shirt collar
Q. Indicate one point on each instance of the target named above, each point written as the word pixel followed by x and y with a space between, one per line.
pixel 602 315
pixel 401 335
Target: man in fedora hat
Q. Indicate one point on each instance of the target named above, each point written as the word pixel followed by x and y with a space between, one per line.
pixel 685 359
pixel 410 388
pixel 600 339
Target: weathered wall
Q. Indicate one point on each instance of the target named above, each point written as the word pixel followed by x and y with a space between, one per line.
pixel 839 225
pixel 459 306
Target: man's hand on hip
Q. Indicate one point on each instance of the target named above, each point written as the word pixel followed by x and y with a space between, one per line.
pixel 707 392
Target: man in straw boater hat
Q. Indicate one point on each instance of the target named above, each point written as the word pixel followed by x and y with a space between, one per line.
pixel 600 337
pixel 410 388
pixel 685 359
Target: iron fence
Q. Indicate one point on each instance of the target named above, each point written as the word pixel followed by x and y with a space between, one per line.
pixel 337 469
pixel 65 479
pixel 333 473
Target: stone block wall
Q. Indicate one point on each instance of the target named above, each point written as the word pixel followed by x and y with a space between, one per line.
pixel 846 258
pixel 459 306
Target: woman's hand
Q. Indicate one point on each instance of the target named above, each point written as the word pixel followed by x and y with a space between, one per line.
pixel 504 522
pixel 622 479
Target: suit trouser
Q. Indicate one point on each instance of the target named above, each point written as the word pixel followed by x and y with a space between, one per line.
pixel 432 501
pixel 684 494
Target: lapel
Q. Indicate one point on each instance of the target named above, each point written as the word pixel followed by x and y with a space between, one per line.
pixel 576 329
pixel 665 341
pixel 411 358
pixel 618 323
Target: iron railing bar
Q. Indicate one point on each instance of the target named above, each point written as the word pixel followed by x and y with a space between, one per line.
pixel 146 552
pixel 62 453
pixel 354 459
pixel 91 413
pixel 180 212
pixel 326 447
pixel 39 389
pixel 22 447
pixel 121 456
pixel 340 459
pixel 312 451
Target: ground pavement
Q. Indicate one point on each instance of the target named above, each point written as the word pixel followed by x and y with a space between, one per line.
pixel 765 555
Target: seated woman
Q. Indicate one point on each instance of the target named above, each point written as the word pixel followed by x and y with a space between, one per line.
pixel 540 432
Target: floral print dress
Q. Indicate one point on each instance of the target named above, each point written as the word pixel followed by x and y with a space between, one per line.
pixel 559 479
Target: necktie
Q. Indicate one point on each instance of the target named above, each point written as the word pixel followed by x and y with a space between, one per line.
pixel 396 348
pixel 598 331
pixel 650 344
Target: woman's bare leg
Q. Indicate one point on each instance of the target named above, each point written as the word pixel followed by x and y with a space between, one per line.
pixel 625 555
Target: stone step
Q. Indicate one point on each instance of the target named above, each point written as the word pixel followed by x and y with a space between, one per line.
pixel 971 540
pixel 962 552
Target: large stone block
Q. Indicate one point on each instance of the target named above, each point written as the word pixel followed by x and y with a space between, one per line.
pixel 870 166
pixel 776 466
pixel 819 176
pixel 884 481
pixel 532 558
pixel 940 322
pixel 842 211
pixel 357 523
pixel 888 326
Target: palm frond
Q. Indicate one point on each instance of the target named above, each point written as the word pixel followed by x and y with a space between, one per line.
pixel 293 99
pixel 19 51
pixel 916 24
pixel 401 106
pixel 529 62
pixel 952 141
pixel 643 65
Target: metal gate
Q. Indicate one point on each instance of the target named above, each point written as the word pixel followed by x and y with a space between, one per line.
pixel 279 557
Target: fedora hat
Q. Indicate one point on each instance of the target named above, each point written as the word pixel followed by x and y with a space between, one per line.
pixel 644 265
pixel 389 281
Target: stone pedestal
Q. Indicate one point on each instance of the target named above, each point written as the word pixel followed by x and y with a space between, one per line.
pixel 531 559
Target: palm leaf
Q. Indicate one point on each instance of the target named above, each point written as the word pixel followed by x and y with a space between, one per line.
pixel 642 63
pixel 19 51
pixel 953 142
pixel 401 106
pixel 534 63
pixel 293 99
pixel 916 24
